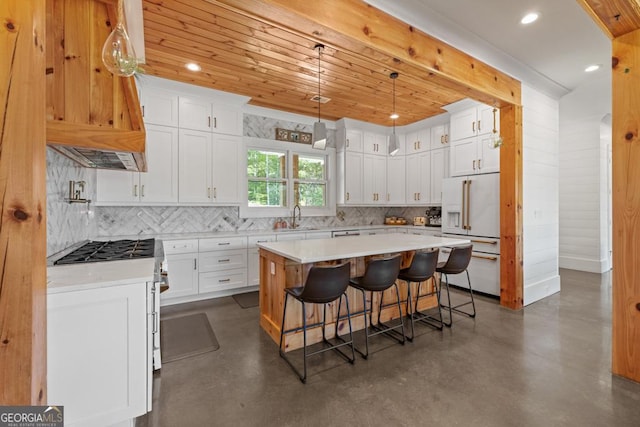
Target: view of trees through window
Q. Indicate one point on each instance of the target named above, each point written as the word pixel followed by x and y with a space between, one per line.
pixel 268 181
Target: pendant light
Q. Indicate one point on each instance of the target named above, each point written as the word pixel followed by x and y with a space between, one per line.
pixel 495 140
pixel 394 145
pixel 118 55
pixel 319 129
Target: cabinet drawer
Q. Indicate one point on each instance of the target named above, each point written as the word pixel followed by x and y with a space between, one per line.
pixel 222 260
pixel 179 246
pixel 223 243
pixel 252 240
pixel 220 280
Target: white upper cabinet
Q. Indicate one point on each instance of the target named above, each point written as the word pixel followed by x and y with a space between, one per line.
pixel 473 121
pixel 374 143
pixel 226 173
pixel 159 185
pixel 439 171
pixel 418 176
pixel 374 179
pixel 352 178
pixel 202 114
pixel 195 166
pixel 439 136
pixel 353 141
pixel 396 180
pixel 159 107
pixel 418 141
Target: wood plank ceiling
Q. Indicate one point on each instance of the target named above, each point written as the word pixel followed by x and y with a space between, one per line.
pixel 278 67
pixel 615 17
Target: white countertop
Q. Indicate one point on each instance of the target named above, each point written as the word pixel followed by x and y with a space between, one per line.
pixel 308 251
pixel 67 278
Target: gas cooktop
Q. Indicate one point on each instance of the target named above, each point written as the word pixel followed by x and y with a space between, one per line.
pixel 95 251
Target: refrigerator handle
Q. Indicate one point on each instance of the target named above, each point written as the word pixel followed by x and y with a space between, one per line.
pixel 468 205
pixel 462 214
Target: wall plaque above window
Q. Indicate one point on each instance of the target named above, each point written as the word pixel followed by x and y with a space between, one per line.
pixel 293 136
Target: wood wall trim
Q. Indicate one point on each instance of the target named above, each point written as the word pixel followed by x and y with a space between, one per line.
pixel 354 26
pixel 626 207
pixel 511 242
pixel 23 332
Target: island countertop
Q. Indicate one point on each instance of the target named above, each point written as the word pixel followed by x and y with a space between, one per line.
pixel 310 251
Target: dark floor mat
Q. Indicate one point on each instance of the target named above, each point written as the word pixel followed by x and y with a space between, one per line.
pixel 248 299
pixel 186 336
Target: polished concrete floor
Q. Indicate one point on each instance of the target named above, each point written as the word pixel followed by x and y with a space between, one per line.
pixel 547 365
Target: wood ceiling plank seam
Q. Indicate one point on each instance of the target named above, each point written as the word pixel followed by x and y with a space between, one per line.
pixel 614 17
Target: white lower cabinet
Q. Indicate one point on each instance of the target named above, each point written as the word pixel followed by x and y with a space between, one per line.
pixel 97 360
pixel 253 257
pixel 222 269
pixel 183 275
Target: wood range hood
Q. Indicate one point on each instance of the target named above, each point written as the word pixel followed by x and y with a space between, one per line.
pixel 93 117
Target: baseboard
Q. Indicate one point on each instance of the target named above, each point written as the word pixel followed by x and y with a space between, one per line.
pixel 583 264
pixel 208 295
pixel 536 291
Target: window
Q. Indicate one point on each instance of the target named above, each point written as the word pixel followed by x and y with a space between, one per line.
pixel 309 180
pixel 267 184
pixel 283 174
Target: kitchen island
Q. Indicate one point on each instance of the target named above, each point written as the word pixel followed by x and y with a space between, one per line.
pixel 286 264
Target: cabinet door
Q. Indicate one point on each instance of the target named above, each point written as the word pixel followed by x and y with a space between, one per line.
pixel 439 168
pixel 183 275
pixel 353 141
pixel 411 142
pixel 412 179
pixel 227 119
pixel 488 157
pixel 464 157
pixel 195 114
pixel 159 107
pixel 353 178
pixel 463 124
pixel 226 168
pixel 439 136
pixel 194 167
pixel 418 178
pixel 485 119
pixel 374 179
pixel 114 186
pixel 160 183
pixel 396 180
pixel 374 143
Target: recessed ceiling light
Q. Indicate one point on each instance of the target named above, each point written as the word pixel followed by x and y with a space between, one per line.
pixel 591 68
pixel 394 116
pixel 193 66
pixel 529 18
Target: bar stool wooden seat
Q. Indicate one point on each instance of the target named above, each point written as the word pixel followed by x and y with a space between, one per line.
pixel 380 274
pixel 457 263
pixel 422 268
pixel 324 284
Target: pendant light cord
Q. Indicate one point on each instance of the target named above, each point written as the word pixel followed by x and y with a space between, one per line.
pixel 319 46
pixel 394 105
pixel 120 12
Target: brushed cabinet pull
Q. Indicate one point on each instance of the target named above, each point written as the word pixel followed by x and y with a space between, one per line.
pixel 224 243
pixel 474 165
pixel 215 122
pixel 441 139
pixel 224 260
pixel 224 280
pixel 208 121
pixel 479 130
pixel 195 263
pixel 347 143
pixel 135 190
pixel 468 205
pixel 209 189
pixel 143 111
pixel 490 258
pixel 487 242
pixel 479 167
pixel 215 192
pixel 347 196
pixel 473 126
pixel 142 190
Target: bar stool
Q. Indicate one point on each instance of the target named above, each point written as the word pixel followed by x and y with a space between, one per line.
pixel 324 284
pixel 379 276
pixel 422 268
pixel 457 263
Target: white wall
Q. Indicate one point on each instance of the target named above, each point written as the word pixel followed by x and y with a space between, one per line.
pixel 584 197
pixel 540 125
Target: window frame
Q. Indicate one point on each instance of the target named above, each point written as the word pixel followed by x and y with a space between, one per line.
pixel 290 148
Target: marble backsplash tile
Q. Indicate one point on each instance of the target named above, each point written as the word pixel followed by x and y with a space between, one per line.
pixel 145 220
pixel 265 127
pixel 68 223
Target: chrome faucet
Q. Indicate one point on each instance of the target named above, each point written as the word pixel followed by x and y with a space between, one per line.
pixel 293 217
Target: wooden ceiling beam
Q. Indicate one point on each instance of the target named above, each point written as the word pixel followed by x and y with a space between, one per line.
pixel 365 30
pixel 614 17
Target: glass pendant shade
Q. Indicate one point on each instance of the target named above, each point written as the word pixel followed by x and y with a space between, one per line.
pixel 319 136
pixel 118 55
pixel 394 146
